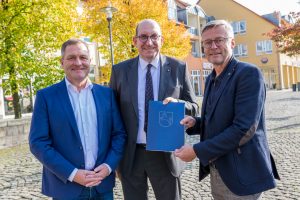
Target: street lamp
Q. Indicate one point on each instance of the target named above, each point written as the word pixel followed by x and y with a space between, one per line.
pixel 109 10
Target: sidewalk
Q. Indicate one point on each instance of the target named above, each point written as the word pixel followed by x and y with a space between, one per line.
pixel 20 173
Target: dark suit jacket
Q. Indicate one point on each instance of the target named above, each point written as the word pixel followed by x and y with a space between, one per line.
pixel 174 82
pixel 235 139
pixel 55 141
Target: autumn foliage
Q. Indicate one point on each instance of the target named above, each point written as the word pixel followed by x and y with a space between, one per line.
pixel 130 12
pixel 287 36
pixel 31 31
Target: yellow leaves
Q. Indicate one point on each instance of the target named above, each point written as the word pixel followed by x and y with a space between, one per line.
pixel 287 36
pixel 176 41
pixel 34 30
pixel 105 73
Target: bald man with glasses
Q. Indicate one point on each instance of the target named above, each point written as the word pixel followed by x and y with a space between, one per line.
pixel 149 76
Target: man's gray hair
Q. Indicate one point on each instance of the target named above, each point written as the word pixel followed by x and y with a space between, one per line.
pixel 69 42
pixel 215 23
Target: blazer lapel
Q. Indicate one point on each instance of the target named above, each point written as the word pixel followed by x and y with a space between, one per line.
pixel 205 96
pixel 99 111
pixel 132 79
pixel 62 94
pixel 165 75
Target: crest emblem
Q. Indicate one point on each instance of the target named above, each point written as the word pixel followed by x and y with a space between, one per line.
pixel 165 118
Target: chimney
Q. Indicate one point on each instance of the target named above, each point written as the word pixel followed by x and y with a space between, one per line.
pixel 277 15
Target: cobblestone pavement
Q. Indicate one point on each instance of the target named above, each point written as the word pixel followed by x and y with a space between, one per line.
pixel 20 172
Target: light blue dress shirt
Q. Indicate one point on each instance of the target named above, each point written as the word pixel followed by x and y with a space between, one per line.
pixel 86 118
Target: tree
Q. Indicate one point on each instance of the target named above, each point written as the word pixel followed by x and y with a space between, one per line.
pixel 105 74
pixel 30 32
pixel 130 12
pixel 287 36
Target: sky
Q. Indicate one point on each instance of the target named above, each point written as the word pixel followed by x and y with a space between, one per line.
pixel 262 7
pixel 268 6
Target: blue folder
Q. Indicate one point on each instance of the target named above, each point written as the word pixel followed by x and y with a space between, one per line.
pixel 165 133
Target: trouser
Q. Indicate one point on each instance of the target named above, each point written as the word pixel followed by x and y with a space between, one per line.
pixel 90 193
pixel 150 165
pixel 221 192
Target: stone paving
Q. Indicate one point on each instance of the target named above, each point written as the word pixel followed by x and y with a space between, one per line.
pixel 20 172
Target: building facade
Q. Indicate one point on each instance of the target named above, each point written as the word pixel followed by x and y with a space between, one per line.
pixel 252 43
pixel 194 18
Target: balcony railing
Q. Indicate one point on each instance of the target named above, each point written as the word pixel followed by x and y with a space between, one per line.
pixel 196 54
pixel 193 31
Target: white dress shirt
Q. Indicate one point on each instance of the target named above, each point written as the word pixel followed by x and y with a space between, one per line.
pixel 84 108
pixel 155 73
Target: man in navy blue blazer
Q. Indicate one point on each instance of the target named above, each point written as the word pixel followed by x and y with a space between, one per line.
pixel 77 132
pixel 233 146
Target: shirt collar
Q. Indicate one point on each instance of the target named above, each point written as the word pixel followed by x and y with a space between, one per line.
pixel 154 62
pixel 69 85
pixel 221 76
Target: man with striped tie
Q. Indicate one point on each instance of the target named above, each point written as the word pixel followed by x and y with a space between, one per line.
pixel 149 76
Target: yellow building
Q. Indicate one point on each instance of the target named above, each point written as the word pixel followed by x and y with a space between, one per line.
pixel 193 18
pixel 252 45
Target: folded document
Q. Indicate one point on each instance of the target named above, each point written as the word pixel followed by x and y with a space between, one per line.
pixel 165 133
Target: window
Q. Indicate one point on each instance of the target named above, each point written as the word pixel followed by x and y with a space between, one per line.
pixel 239 27
pixel 268 46
pixel 172 10
pixel 264 46
pixel 240 50
pixel 235 27
pixel 259 47
pixel 195 73
pixel 196 83
pixel 195 49
pixel 242 27
pixel 236 52
pixel 206 72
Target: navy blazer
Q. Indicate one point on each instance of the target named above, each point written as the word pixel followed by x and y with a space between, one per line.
pixel 235 134
pixel 55 141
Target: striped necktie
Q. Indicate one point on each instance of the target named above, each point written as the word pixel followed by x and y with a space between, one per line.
pixel 148 94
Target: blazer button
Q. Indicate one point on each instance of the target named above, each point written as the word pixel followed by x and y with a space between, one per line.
pixel 80 147
pixel 82 166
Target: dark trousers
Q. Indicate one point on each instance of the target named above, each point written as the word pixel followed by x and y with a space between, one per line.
pixel 150 165
pixel 90 193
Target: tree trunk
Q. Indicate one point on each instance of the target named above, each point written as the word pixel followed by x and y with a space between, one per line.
pixel 17 106
pixel 15 92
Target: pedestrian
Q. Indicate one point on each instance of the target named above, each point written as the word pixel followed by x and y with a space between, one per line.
pixel 233 146
pixel 77 132
pixel 153 76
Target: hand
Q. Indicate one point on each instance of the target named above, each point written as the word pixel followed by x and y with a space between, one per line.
pixel 85 177
pixel 169 99
pixel 101 172
pixel 188 121
pixel 186 153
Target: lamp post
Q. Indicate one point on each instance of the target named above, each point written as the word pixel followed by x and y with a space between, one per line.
pixel 109 10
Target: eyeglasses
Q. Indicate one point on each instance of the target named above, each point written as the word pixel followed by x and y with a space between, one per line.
pixel 218 42
pixel 144 38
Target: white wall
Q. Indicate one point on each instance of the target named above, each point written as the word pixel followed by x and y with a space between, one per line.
pixel 2 111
